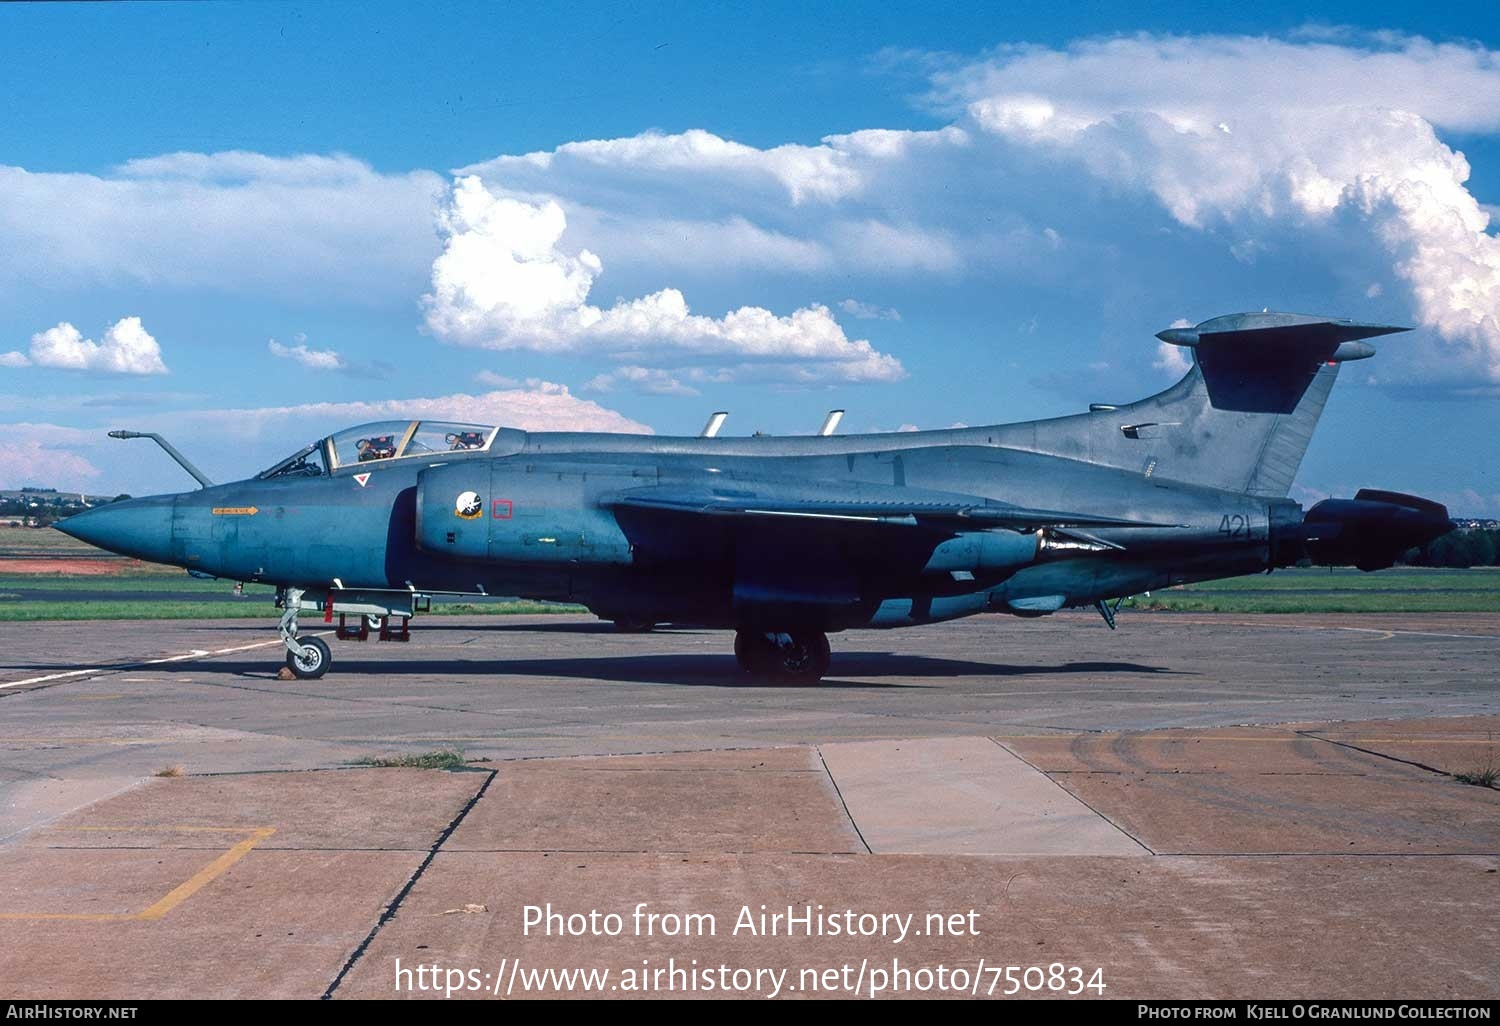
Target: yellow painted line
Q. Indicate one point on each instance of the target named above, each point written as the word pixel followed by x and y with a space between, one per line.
pixel 182 892
pixel 159 829
pixel 177 895
pixel 236 511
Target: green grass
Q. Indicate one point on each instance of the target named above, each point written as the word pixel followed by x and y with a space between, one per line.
pixel 441 759
pixel 180 582
pixel 1487 777
pixel 251 609
pixel 515 608
pixel 46 540
pixel 1344 590
pixel 1348 579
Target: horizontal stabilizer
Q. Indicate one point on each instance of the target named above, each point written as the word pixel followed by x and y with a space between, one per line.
pixel 1264 362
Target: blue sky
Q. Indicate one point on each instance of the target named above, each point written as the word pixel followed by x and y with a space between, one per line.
pixel 1045 192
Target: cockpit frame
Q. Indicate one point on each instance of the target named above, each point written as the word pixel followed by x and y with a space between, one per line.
pixel 401 434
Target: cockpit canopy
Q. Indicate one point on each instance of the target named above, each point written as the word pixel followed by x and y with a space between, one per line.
pixel 384 440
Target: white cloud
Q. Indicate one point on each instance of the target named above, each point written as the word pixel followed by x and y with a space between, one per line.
pixel 489 377
pixel 231 444
pixel 1173 360
pixel 646 380
pixel 540 406
pixel 869 311
pixel 238 222
pixel 504 282
pixel 44 455
pixel 1054 162
pixel 805 172
pixel 316 359
pixel 1316 132
pixel 125 348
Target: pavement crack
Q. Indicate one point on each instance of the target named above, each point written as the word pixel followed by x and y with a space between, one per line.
pixel 391 909
pixel 1370 751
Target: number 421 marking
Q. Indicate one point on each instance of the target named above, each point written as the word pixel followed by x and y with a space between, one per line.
pixel 1235 525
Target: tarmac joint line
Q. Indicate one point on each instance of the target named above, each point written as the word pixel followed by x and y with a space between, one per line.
pixel 842 803
pixel 390 910
pixel 1011 751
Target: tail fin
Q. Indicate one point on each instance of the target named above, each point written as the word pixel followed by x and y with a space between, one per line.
pixel 1240 420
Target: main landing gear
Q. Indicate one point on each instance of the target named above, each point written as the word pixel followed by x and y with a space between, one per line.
pixel 795 657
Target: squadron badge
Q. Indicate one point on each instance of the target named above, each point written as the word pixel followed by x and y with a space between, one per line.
pixel 468 506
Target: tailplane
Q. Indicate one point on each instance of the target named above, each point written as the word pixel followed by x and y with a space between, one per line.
pixel 1240 420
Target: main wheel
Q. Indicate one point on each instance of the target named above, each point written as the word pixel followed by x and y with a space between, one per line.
pixel 312 662
pixel 797 657
pixel 629 626
pixel 754 652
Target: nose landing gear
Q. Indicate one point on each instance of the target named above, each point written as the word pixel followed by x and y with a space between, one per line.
pixel 794 657
pixel 307 658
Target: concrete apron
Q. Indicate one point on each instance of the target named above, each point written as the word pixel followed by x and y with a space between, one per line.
pixel 1226 863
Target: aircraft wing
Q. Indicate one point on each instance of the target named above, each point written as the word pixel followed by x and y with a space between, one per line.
pixel 870 504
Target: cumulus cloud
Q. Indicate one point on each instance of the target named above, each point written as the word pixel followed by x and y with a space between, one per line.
pixel 1247 132
pixel 869 311
pixel 1059 163
pixel 237 222
pixel 1170 359
pixel 539 406
pixel 316 359
pixel 230 444
pixel 1264 148
pixel 695 200
pixel 45 455
pixel 125 348
pixel 646 380
pixel 503 281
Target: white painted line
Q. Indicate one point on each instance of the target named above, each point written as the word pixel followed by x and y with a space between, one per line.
pixel 196 653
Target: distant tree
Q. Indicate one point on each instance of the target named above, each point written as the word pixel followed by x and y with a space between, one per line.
pixel 121 497
pixel 1465 547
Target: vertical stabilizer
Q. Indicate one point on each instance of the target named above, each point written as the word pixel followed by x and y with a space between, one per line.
pixel 1240 420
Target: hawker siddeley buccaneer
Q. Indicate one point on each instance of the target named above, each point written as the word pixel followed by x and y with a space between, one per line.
pixel 788 539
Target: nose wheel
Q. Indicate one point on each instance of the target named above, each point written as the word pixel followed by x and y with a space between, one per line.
pixel 311 661
pixel 793 657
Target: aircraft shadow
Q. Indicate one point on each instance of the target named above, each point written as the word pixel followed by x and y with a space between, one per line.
pixel 852 670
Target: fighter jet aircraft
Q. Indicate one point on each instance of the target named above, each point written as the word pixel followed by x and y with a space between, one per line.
pixel 788 539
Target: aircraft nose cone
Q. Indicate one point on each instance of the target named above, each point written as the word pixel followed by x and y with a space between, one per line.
pixel 131 527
